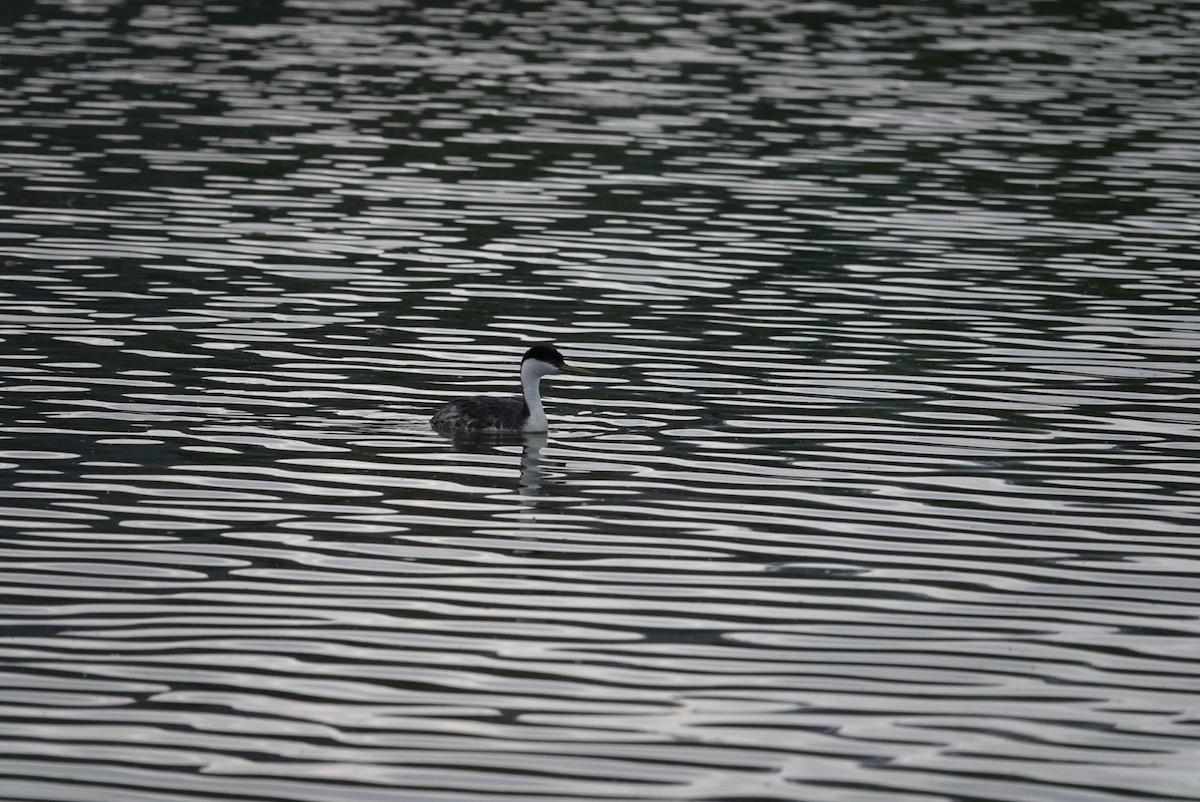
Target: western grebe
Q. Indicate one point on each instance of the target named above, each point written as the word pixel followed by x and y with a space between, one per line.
pixel 484 413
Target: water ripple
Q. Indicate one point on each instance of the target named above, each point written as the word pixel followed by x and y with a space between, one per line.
pixel 884 486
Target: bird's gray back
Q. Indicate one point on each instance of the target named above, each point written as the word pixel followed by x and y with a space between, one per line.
pixel 482 412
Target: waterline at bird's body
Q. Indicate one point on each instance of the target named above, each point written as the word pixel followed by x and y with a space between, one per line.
pixel 483 413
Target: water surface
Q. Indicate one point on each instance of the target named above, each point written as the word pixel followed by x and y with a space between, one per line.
pixel 885 487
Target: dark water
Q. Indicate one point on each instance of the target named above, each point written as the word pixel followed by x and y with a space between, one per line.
pixel 886 488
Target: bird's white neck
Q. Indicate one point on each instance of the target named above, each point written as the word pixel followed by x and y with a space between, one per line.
pixel 532 371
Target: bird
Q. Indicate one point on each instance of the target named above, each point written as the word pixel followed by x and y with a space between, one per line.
pixel 524 413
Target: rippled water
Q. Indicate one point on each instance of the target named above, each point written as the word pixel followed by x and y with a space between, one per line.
pixel 885 489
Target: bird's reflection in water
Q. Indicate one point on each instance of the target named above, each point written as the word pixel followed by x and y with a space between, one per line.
pixel 531 475
pixel 530 483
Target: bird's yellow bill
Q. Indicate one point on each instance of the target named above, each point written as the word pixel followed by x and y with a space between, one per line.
pixel 583 371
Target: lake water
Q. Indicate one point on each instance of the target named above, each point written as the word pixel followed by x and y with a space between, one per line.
pixel 886 487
